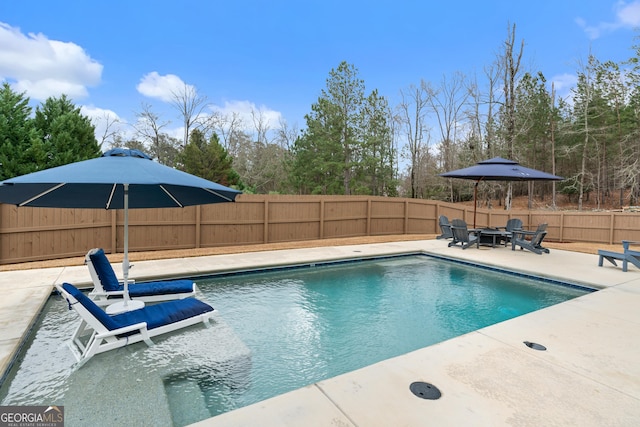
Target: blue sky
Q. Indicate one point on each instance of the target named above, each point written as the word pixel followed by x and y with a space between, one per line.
pixel 275 56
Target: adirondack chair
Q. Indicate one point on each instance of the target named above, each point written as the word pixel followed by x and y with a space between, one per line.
pixel 627 257
pixel 512 224
pixel 462 235
pixel 445 228
pixel 530 240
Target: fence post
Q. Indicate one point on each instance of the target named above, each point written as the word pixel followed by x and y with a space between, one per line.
pixel 611 222
pixel 321 225
pixel 265 237
pixel 369 216
pixel 406 217
pixel 198 223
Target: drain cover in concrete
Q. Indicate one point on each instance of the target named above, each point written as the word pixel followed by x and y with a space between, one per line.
pixel 535 345
pixel 425 390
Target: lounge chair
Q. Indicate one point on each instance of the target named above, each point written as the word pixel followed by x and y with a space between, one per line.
pixel 627 257
pixel 98 332
pixel 512 224
pixel 534 241
pixel 108 289
pixel 445 228
pixel 462 235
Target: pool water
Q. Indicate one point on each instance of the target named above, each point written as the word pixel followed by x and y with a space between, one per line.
pixel 275 332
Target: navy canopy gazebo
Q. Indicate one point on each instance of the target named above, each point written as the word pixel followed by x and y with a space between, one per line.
pixel 498 169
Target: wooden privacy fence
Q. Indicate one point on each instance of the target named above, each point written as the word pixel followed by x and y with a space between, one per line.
pixel 34 234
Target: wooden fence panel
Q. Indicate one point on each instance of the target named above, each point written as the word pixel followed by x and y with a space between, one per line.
pixel 291 221
pixel 30 234
pixel 388 216
pixel 227 224
pixel 625 226
pixel 586 227
pixel 343 218
pixel 158 229
pixel 421 216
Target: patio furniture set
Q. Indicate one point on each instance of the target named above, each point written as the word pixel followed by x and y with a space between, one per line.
pixel 512 232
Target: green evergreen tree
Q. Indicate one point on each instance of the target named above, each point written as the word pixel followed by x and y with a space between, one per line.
pixel 67 135
pixel 21 151
pixel 317 164
pixel 336 153
pixel 209 160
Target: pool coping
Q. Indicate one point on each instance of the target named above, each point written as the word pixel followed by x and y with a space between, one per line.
pixel 368 396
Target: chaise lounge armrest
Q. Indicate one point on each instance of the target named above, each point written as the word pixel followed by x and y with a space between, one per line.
pixel 138 327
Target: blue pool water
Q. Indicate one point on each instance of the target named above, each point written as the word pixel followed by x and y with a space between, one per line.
pixel 275 332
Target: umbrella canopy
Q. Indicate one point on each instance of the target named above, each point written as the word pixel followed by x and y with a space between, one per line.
pixel 119 179
pixel 498 169
pixel 100 183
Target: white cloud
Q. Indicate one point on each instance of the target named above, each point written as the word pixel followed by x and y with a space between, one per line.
pixel 107 123
pixel 42 68
pixel 153 85
pixel 244 109
pixel 627 15
pixel 562 84
pixel 164 88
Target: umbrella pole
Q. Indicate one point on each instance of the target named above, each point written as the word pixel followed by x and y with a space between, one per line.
pixel 125 261
pixel 475 202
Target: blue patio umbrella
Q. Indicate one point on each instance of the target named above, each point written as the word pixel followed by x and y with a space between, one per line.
pixel 498 169
pixel 119 179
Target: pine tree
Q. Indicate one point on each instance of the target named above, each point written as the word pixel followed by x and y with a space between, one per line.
pixel 67 136
pixel 209 160
pixel 20 149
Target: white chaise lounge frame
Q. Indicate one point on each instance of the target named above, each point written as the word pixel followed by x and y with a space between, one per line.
pixel 101 339
pixel 103 297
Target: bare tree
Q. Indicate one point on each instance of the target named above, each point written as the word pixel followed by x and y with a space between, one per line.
pixel 111 130
pixel 149 127
pixel 286 135
pixel 413 110
pixel 447 102
pixel 190 105
pixel 261 125
pixel 553 145
pixel 226 126
pixel 492 74
pixel 511 69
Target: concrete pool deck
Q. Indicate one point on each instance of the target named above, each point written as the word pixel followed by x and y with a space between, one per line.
pixel 589 374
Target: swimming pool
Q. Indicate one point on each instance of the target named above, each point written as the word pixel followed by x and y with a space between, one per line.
pixel 276 331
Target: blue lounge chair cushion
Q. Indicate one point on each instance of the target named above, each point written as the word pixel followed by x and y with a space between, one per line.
pixel 159 288
pixel 110 282
pixel 163 314
pixel 154 315
pixel 105 272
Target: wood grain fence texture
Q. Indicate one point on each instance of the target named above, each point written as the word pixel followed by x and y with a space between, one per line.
pixel 35 234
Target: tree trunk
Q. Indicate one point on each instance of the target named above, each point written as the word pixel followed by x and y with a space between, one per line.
pixel 583 167
pixel 553 146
